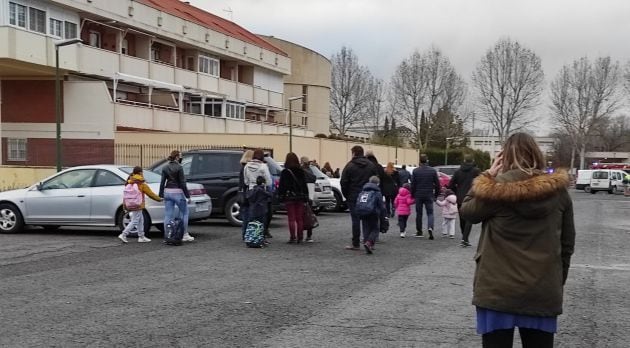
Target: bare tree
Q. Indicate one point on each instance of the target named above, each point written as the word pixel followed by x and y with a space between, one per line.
pixel 426 82
pixel 508 81
pixel 375 106
pixel 583 96
pixel 350 90
pixel 409 88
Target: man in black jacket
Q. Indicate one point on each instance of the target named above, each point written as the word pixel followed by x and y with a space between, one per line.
pixel 425 187
pixel 356 174
pixel 461 182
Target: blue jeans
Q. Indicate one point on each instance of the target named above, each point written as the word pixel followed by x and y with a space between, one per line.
pixel 356 225
pixel 172 199
pixel 427 202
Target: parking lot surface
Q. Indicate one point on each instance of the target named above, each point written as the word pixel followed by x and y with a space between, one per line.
pixel 83 288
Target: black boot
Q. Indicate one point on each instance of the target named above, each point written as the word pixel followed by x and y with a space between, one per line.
pixel 430 234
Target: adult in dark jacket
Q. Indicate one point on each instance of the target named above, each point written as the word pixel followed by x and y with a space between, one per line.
pixel 381 171
pixel 293 191
pixel 525 247
pixel 175 193
pixel 310 179
pixel 404 177
pixel 460 184
pixel 390 188
pixel 425 187
pixel 354 175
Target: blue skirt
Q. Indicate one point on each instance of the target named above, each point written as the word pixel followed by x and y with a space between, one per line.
pixel 489 320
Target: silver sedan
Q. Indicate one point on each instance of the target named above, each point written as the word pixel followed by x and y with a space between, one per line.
pixel 87 196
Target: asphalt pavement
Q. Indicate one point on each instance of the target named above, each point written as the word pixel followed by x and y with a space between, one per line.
pixel 83 288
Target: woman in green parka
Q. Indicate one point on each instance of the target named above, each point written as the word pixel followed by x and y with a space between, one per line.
pixel 525 246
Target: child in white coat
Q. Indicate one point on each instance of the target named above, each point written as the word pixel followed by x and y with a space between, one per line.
pixel 449 213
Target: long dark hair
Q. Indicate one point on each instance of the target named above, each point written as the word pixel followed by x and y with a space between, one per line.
pixel 292 161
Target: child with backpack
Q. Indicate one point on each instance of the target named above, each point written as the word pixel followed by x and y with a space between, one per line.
pixel 258 199
pixel 403 203
pixel 449 212
pixel 371 210
pixel 133 202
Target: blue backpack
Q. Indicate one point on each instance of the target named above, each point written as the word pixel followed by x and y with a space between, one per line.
pixel 254 234
pixel 367 203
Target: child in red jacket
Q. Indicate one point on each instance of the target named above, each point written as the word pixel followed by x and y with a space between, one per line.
pixel 403 203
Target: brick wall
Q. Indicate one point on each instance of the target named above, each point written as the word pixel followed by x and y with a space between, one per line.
pixel 42 152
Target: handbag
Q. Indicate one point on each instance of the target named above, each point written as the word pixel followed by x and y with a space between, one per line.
pixel 310 220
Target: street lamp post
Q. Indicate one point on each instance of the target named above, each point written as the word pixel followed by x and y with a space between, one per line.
pixel 58 97
pixel 291 121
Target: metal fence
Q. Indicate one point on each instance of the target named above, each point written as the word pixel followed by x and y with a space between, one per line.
pixel 146 154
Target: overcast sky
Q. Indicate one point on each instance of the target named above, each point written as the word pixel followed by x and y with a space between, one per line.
pixel 382 33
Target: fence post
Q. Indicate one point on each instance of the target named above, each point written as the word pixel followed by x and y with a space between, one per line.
pixel 141 156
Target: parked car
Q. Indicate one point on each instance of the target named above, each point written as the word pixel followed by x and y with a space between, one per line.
pixel 218 172
pixel 447 169
pixel 583 181
pixel 87 196
pixel 340 199
pixel 607 180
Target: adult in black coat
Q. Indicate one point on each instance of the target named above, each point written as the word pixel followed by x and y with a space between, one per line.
pixel 390 188
pixel 354 175
pixel 404 177
pixel 460 183
pixel 425 187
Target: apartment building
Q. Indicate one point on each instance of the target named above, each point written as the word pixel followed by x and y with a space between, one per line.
pixel 309 79
pixel 491 144
pixel 143 65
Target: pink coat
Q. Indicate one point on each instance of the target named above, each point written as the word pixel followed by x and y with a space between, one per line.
pixel 403 202
pixel 449 207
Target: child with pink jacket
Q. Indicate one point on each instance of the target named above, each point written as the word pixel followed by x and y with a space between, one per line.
pixel 403 203
pixel 449 213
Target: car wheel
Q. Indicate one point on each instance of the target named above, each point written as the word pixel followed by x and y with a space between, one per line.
pixel 587 189
pixel 11 220
pixel 123 218
pixel 233 211
pixel 338 201
pixel 613 190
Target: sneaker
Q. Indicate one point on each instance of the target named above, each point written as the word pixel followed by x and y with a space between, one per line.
pixel 123 238
pixel 309 240
pixel 188 238
pixel 451 237
pixel 403 234
pixel 419 234
pixel 430 234
pixel 143 240
pixel 352 247
pixel 465 244
pixel 368 247
pixel 291 241
pixel 444 234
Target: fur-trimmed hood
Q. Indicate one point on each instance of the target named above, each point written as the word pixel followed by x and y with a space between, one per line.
pixel 516 186
pixel 527 194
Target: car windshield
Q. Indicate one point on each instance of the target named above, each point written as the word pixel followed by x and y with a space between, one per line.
pixel 318 173
pixel 149 176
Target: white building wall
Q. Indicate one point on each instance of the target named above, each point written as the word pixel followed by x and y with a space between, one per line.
pixel 267 79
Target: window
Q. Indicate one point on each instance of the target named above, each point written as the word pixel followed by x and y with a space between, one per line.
pixel 600 175
pixel 107 178
pixel 16 150
pixel 70 29
pixel 37 20
pixel 208 65
pixel 17 15
pixel 125 47
pixel 55 27
pixel 95 39
pixel 304 94
pixel 80 178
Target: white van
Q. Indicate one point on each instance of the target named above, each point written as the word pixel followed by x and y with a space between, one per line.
pixel 583 181
pixel 607 180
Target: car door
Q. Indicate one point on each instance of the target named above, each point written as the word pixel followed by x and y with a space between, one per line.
pixel 107 193
pixel 217 172
pixel 61 200
pixel 600 180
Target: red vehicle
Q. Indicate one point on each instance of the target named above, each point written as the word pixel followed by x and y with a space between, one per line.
pixel 444 179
